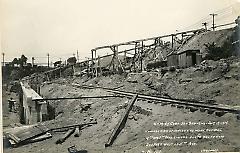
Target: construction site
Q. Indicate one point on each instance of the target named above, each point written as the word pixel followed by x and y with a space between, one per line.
pixel 172 93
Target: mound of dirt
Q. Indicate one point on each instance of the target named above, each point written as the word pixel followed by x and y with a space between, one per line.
pixel 216 81
pixel 198 41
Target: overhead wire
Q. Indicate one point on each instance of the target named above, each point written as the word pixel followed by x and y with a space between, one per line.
pixel 222 13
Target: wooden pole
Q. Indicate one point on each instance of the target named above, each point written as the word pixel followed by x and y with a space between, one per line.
pixel 141 60
pixel 213 24
pixel 172 42
pixel 99 66
pixel 121 123
pixel 92 62
pixel 125 59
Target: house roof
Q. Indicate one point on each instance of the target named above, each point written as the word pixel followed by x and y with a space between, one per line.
pixel 190 51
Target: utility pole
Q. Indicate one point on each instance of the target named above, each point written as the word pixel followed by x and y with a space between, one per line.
pixel 213 25
pixel 205 25
pixel 77 56
pixel 3 54
pixel 48 59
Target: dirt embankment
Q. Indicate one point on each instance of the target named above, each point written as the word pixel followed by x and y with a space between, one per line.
pixel 216 80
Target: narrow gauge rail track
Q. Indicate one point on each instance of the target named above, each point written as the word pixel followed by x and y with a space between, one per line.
pixel 191 104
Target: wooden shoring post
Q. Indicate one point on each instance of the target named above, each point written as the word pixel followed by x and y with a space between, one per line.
pixel 141 58
pixel 125 59
pixel 113 62
pixel 99 66
pixel 120 63
pixel 88 67
pixel 172 42
pixel 95 61
pixel 157 42
pixel 38 84
pixel 92 63
pixel 135 56
pixel 115 58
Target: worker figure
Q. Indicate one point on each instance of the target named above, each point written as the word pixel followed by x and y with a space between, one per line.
pixel 11 102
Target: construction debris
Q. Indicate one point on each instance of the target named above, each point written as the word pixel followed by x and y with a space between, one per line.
pixel 20 135
pixel 33 133
pixel 65 136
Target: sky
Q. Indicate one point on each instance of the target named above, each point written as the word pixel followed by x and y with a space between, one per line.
pixel 61 27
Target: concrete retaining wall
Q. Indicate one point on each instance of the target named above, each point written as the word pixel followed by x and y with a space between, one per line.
pixel 33 111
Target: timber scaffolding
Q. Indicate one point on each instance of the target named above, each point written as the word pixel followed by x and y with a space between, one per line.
pixel 140 48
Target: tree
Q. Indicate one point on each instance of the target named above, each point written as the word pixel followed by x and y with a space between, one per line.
pixel 72 60
pixel 216 53
pixel 23 60
pixel 57 63
pixel 15 61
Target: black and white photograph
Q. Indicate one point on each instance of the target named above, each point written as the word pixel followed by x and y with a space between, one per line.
pixel 120 76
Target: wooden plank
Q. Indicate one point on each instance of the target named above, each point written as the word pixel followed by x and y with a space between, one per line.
pixel 72 126
pixel 40 138
pixel 121 123
pixel 13 138
pixel 31 132
pixel 12 142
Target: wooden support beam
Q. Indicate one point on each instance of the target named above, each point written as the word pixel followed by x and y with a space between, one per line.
pixel 141 58
pixel 96 63
pixel 121 123
pixel 127 51
pixel 227 24
pixel 92 62
pixel 172 42
pixel 99 66
pixel 120 63
pixel 134 57
pixel 125 58
pixel 82 97
pixel 147 39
